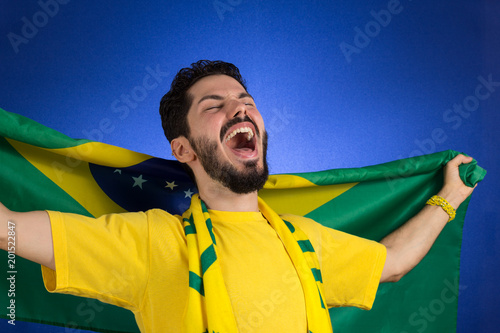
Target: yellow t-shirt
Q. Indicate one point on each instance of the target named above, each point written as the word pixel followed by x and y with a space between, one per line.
pixel 139 261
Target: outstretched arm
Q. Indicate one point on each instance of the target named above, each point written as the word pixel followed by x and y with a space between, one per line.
pixel 407 245
pixel 29 234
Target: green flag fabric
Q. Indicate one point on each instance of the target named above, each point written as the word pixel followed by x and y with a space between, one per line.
pixel 42 169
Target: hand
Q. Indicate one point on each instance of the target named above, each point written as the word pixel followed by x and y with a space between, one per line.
pixel 454 190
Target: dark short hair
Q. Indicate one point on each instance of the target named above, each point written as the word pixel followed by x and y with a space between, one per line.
pixel 174 106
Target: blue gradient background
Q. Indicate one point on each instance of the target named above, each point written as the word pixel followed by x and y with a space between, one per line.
pixel 321 110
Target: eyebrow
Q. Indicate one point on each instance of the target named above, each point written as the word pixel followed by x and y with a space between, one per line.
pixel 220 98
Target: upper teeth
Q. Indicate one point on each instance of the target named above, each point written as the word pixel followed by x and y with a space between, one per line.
pixel 241 130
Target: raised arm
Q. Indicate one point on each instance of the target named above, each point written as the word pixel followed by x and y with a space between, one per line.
pixel 407 245
pixel 28 234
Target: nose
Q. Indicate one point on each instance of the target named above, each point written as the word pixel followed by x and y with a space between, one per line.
pixel 239 109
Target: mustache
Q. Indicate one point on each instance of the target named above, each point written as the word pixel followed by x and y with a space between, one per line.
pixel 235 121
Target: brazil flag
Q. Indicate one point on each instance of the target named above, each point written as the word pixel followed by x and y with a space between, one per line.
pixel 42 169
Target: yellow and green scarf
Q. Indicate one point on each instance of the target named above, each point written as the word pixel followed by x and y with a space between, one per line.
pixel 209 306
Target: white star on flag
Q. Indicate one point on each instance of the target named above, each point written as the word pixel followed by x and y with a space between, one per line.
pixel 188 193
pixel 138 181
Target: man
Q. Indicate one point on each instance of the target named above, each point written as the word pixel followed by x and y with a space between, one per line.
pixel 229 255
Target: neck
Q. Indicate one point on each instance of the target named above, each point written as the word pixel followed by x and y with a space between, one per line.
pixel 221 198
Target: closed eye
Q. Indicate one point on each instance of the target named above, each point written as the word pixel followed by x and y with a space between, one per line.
pixel 213 107
pixel 249 102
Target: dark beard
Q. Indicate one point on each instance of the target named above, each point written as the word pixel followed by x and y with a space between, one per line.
pixel 250 180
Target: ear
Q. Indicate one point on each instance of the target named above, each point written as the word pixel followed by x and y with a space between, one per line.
pixel 182 150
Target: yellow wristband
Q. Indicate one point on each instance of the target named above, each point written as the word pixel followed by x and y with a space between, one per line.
pixel 440 201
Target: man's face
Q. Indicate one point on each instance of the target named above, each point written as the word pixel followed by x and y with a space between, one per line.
pixel 227 133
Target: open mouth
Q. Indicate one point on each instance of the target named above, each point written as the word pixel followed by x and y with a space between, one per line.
pixel 242 141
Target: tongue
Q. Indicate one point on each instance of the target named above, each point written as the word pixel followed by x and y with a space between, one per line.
pixel 241 146
pixel 244 152
pixel 244 149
